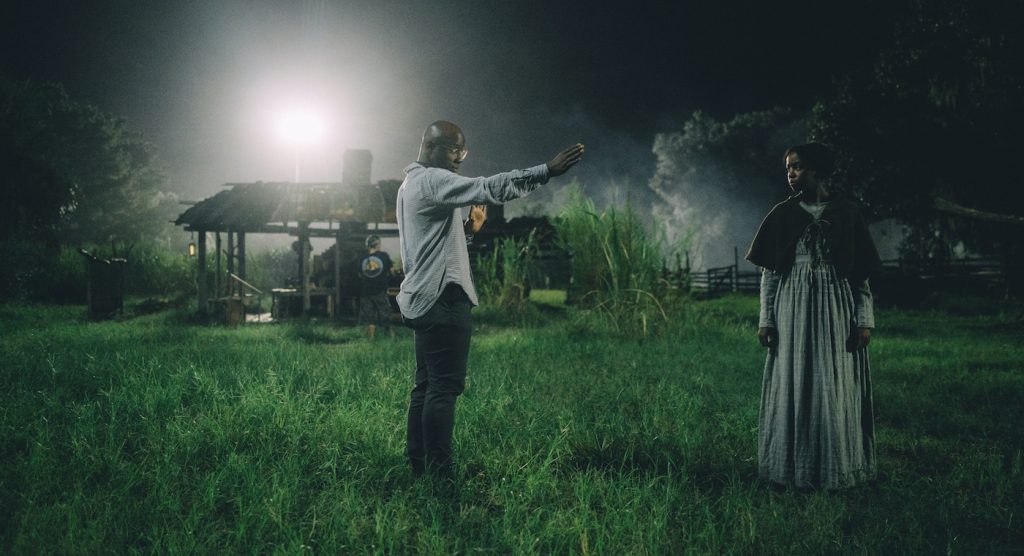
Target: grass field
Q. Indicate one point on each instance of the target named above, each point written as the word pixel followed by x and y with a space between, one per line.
pixel 153 434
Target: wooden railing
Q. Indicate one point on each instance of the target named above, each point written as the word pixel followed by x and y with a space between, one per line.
pixel 240 295
pixel 724 279
pixel 969 273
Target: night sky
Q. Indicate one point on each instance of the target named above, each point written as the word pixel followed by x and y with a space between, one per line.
pixel 202 80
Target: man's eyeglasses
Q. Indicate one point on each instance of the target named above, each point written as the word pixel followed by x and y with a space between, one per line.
pixel 460 152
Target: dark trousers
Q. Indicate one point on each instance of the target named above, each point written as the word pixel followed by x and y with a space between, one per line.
pixel 442 349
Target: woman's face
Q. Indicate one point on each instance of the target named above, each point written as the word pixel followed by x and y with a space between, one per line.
pixel 801 179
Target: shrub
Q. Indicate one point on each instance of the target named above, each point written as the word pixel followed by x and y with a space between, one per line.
pixel 23 270
pixel 152 269
pixel 34 272
pixel 67 277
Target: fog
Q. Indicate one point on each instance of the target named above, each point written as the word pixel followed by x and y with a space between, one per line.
pixel 207 81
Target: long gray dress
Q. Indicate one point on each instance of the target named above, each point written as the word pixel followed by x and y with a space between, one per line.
pixel 816 426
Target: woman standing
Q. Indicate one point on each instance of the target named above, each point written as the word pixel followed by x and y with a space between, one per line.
pixel 816 426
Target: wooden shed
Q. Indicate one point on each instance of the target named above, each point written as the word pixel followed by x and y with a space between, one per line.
pixel 339 210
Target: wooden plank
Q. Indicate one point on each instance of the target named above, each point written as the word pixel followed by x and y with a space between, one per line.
pixel 231 259
pixel 304 248
pixel 201 279
pixel 294 230
pixel 241 254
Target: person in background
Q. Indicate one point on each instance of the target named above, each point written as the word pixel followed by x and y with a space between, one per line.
pixel 816 424
pixel 437 292
pixel 374 270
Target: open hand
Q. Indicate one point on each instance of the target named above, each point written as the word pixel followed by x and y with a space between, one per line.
pixel 477 217
pixel 565 160
pixel 859 339
pixel 769 338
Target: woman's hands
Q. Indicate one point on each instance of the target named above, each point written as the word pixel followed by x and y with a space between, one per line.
pixel 769 338
pixel 859 338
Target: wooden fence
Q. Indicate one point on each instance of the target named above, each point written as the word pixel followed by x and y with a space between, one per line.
pixel 724 279
pixel 982 275
pixel 898 278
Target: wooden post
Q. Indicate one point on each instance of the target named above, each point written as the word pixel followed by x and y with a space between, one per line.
pixel 337 273
pixel 231 262
pixel 241 255
pixel 201 278
pixel 218 276
pixel 735 267
pixel 688 269
pixel 304 262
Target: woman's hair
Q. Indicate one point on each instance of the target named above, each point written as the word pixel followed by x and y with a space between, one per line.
pixel 815 156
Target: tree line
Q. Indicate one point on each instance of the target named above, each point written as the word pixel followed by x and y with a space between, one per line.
pixel 74 177
pixel 926 132
pixel 74 174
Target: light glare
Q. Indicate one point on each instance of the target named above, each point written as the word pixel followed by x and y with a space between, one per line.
pixel 301 126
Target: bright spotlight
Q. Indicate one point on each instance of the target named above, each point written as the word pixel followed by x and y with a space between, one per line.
pixel 301 127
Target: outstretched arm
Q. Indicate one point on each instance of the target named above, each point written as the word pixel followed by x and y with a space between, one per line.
pixel 447 190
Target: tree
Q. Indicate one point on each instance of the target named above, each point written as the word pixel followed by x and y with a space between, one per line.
pixel 74 173
pixel 930 132
pixel 716 180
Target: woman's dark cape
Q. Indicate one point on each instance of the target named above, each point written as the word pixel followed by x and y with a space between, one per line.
pixel 853 251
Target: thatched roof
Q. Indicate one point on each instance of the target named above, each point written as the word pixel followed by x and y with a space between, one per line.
pixel 249 207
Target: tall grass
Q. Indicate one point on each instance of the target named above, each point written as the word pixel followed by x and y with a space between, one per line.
pixel 503 275
pixel 616 264
pixel 147 435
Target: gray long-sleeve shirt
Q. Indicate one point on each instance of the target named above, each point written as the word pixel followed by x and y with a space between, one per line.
pixel 430 234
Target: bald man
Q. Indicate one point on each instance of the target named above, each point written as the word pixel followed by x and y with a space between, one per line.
pixel 437 293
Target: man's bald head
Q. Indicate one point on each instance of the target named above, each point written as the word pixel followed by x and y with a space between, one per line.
pixel 443 146
pixel 444 132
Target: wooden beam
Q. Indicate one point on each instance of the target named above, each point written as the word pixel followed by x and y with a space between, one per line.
pixel 337 273
pixel 241 254
pixel 945 205
pixel 304 249
pixel 294 231
pixel 247 284
pixel 231 260
pixel 201 278
pixel 217 276
pixel 311 231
